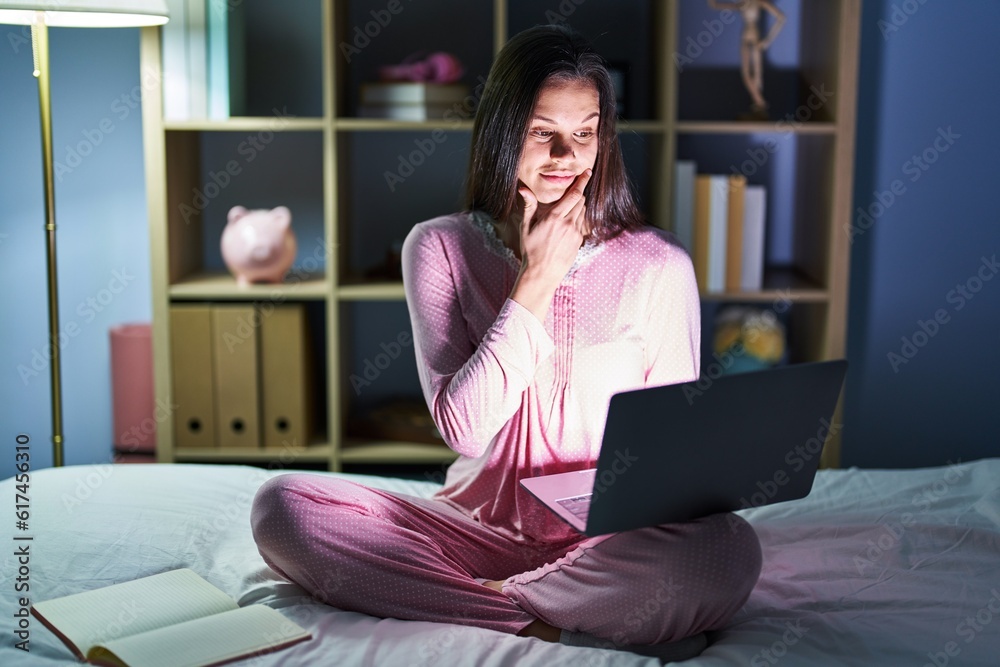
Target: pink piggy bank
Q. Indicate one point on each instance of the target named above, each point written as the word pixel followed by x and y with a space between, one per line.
pixel 258 246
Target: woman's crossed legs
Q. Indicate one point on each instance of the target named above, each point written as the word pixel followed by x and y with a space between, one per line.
pixel 399 556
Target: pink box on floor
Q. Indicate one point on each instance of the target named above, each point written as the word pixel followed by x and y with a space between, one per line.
pixel 132 388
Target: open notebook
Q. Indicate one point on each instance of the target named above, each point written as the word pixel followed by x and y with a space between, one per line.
pixel 171 619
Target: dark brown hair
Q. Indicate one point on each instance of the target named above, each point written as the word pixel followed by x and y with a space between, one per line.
pixel 523 66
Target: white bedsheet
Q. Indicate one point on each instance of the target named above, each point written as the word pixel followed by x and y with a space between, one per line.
pixel 873 568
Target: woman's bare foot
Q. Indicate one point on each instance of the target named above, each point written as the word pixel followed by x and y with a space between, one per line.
pixel 542 630
pixel 537 628
pixel 495 585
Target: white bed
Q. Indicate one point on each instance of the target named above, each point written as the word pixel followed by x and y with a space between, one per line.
pixel 873 568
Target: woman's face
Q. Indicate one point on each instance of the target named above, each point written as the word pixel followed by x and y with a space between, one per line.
pixel 562 138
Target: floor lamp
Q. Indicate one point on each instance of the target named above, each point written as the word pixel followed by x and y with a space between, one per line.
pixel 66 13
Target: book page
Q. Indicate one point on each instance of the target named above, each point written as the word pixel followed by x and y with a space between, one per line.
pixel 213 640
pixel 131 607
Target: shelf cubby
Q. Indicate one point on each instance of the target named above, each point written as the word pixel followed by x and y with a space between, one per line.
pixel 396 180
pixel 369 36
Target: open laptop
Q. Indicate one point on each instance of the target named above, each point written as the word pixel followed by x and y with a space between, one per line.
pixel 683 451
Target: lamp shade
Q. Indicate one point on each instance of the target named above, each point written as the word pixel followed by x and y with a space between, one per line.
pixel 85 13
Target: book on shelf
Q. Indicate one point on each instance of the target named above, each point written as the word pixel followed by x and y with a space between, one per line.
pixel 754 218
pixel 204 60
pixel 171 619
pixel 176 99
pixel 711 230
pixel 684 173
pixel 699 247
pixel 226 78
pixel 197 58
pixel 734 232
pixel 728 233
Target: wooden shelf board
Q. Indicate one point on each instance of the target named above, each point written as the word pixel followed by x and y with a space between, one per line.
pixel 313 453
pixel 752 127
pixel 386 291
pixel 641 126
pixel 223 286
pixel 247 124
pixel 770 295
pixel 780 284
pixel 390 451
pixel 390 125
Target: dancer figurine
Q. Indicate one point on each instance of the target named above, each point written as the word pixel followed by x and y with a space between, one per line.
pixel 752 47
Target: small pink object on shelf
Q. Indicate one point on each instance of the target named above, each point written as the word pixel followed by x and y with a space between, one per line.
pixel 133 406
pixel 438 67
pixel 258 246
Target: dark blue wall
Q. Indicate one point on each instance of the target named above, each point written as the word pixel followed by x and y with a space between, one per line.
pixel 939 72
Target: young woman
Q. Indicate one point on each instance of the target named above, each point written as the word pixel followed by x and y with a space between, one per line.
pixel 529 310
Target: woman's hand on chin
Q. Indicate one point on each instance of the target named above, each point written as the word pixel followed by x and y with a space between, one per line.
pixel 551 236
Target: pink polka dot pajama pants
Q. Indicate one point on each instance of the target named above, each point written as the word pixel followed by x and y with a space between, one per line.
pixel 399 556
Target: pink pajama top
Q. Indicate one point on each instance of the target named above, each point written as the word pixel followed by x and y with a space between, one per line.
pixel 518 398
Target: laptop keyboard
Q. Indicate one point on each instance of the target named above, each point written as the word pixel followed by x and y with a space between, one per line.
pixel 578 506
